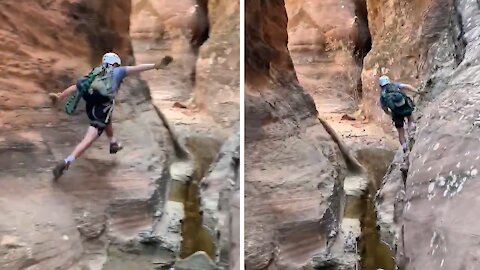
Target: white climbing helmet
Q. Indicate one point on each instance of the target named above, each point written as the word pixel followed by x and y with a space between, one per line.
pixel 384 80
pixel 111 58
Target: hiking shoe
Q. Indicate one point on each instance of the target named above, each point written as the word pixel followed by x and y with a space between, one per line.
pixel 115 147
pixel 59 169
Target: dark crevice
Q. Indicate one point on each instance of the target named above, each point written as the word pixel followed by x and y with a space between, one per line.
pixel 200 33
pixel 374 253
pixel 100 32
pixel 195 236
pixel 458 33
pixel 363 44
pixel 201 30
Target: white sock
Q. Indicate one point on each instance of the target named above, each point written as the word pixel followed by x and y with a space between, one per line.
pixel 70 159
pixel 113 140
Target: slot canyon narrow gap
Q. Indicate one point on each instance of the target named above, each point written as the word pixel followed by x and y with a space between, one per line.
pixel 138 209
pixel 339 50
pixel 374 253
pixel 312 110
pixel 179 31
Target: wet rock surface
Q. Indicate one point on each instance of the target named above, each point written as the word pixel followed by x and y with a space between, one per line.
pixel 196 261
pixel 205 76
pixel 214 90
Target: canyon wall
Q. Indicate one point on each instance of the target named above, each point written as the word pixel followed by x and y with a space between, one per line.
pixel 102 199
pixel 291 218
pixel 327 41
pixel 431 44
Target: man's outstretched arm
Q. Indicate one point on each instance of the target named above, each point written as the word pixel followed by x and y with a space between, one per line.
pixel 131 70
pixel 62 95
pixel 408 87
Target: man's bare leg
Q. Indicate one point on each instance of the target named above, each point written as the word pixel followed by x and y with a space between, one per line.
pixel 401 138
pixel 114 145
pixel 109 132
pixel 88 139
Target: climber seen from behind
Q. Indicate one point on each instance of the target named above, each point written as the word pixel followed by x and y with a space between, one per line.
pixel 398 105
pixel 99 89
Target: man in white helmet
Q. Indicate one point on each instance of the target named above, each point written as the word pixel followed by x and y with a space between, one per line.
pixel 99 100
pixel 398 105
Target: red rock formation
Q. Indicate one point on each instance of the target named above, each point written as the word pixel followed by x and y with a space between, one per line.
pixel 433 42
pixel 217 87
pixel 293 174
pixel 184 30
pixel 402 35
pixel 327 40
pixel 44 47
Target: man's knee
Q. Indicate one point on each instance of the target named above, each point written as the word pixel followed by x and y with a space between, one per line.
pixel 100 127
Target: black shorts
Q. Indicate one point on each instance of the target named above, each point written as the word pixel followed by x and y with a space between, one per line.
pixel 399 120
pixel 100 115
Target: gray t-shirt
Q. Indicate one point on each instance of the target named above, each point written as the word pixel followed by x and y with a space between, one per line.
pixel 118 74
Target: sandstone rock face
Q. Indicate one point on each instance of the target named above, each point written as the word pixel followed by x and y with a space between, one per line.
pixel 405 46
pixel 439 228
pixel 165 27
pixel 389 206
pixel 434 225
pixel 162 19
pixel 294 174
pixel 327 41
pixel 220 202
pixel 203 38
pixel 217 87
pixel 102 199
pixel 197 261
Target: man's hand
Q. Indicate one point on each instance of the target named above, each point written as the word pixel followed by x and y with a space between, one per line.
pixel 164 62
pixel 54 97
pixel 412 89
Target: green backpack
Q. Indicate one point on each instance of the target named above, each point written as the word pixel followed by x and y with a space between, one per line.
pixel 98 79
pixel 390 94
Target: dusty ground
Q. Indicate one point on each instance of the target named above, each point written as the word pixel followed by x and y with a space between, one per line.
pixel 358 133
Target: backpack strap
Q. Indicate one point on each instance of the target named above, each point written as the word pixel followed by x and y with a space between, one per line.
pixel 83 84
